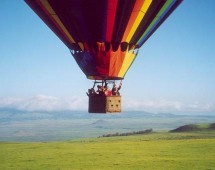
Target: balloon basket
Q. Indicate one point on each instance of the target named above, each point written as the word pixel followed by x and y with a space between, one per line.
pixel 104 104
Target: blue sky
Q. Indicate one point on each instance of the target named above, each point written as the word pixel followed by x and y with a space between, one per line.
pixel 174 70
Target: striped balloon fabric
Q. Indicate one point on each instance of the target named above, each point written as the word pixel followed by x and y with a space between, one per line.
pixel 104 35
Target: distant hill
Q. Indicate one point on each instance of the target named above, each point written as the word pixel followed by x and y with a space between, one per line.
pixel 100 123
pixel 212 126
pixel 19 125
pixel 194 127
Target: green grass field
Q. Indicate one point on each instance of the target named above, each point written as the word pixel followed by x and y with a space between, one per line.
pixel 194 150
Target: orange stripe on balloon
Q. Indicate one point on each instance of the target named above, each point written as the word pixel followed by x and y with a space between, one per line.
pixel 116 61
pixel 137 7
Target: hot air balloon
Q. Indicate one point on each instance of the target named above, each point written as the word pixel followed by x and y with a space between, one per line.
pixel 104 36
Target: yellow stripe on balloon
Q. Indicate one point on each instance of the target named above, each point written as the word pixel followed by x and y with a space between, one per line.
pixel 129 58
pixel 53 14
pixel 157 17
pixel 139 18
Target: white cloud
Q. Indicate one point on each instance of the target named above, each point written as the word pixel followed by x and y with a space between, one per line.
pixel 51 103
pixel 167 106
pixel 45 103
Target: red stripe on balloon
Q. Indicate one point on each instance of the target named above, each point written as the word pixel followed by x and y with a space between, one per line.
pixel 111 13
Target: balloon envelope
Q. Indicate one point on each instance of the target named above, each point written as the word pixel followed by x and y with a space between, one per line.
pixel 104 35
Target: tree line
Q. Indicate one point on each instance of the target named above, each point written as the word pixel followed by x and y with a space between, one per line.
pixel 128 133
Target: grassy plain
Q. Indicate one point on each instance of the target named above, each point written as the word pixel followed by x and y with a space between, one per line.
pixel 156 151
